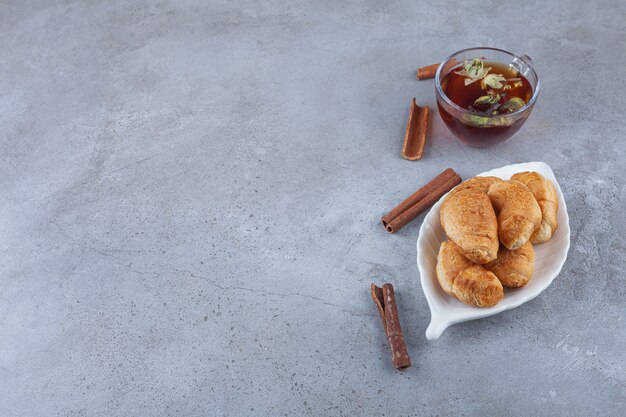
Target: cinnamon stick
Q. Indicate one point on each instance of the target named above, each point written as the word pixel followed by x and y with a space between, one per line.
pixel 386 303
pixel 420 200
pixel 415 136
pixel 428 71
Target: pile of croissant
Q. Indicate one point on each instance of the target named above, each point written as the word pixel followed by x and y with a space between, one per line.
pixel 492 224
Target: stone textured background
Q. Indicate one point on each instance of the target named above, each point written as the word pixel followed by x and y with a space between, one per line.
pixel 190 195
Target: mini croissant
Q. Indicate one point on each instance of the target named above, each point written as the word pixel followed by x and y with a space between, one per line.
pixel 517 210
pixel 545 194
pixel 469 220
pixel 465 280
pixel 514 268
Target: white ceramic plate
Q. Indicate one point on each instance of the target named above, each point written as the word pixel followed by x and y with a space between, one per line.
pixel 549 259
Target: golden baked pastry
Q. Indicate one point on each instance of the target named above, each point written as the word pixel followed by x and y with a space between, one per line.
pixel 514 268
pixel 465 280
pixel 469 220
pixel 545 194
pixel 517 211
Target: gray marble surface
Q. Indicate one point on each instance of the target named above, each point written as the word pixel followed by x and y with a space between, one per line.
pixel 191 194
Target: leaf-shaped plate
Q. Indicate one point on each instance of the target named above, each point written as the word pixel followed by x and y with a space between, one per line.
pixel 549 259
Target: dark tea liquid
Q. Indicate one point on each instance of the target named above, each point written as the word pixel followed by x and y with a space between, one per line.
pixel 464 96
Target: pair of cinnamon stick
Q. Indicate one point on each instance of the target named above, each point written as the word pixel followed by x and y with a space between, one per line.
pixel 420 200
pixel 386 304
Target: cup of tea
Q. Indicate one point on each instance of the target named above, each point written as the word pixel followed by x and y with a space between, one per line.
pixel 485 95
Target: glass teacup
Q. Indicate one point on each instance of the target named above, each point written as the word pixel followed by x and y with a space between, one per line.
pixel 476 128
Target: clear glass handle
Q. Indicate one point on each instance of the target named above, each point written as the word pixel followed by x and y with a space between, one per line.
pixel 527 59
pixel 522 64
